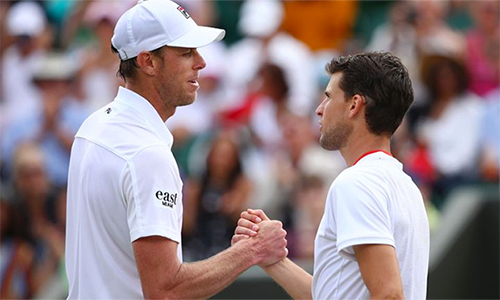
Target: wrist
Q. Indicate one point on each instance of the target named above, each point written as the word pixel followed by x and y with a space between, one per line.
pixel 271 267
pixel 248 249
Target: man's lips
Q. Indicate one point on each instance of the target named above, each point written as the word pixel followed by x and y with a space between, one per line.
pixel 194 82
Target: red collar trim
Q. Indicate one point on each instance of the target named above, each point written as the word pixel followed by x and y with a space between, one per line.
pixel 371 152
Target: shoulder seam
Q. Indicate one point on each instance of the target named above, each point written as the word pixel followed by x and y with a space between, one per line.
pixel 118 154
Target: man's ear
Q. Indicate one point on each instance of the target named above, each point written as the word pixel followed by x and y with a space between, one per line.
pixel 358 103
pixel 145 63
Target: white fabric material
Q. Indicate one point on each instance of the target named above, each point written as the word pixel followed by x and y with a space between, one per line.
pixel 454 138
pixel 155 23
pixel 124 184
pixel 372 202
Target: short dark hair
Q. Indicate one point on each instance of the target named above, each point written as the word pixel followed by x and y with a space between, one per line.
pixel 128 68
pixel 383 80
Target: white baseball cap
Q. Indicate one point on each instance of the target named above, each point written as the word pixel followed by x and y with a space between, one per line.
pixel 25 18
pixel 151 24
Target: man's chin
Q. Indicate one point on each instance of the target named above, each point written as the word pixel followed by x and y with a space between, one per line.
pixel 189 100
pixel 327 145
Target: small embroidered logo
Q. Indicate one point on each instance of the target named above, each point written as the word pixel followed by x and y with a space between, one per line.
pixel 183 11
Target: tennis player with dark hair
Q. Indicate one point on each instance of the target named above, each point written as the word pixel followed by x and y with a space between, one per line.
pixel 373 239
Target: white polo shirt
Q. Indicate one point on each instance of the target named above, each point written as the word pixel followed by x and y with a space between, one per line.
pixel 123 184
pixel 372 202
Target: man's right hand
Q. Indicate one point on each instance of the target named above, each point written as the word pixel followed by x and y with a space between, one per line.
pixel 248 224
pixel 270 240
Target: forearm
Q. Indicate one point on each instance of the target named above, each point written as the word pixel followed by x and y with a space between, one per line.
pixel 205 278
pixel 295 280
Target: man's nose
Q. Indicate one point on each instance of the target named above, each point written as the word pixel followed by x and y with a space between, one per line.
pixel 319 109
pixel 200 62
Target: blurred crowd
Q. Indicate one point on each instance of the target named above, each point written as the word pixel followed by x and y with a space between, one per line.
pixel 250 139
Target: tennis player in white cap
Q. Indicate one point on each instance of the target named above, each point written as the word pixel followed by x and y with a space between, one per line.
pixel 124 210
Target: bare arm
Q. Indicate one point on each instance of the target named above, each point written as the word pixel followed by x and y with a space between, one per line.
pixel 292 278
pixel 163 276
pixel 380 271
pixel 295 280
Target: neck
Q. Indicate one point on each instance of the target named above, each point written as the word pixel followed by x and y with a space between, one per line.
pixel 148 92
pixel 361 144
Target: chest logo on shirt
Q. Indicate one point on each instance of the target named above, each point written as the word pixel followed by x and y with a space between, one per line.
pixel 167 199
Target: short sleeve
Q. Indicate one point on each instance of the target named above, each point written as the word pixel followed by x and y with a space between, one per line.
pixel 361 213
pixel 153 194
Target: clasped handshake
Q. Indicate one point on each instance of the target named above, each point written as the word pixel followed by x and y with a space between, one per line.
pixel 266 238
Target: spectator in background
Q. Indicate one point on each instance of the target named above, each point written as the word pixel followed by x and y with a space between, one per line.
pixel 399 36
pixel 434 36
pixel 98 79
pixel 264 43
pixel 16 252
pixel 34 199
pixel 26 24
pixel 483 47
pixel 213 202
pixel 270 106
pixel 490 138
pixel 450 125
pixel 55 123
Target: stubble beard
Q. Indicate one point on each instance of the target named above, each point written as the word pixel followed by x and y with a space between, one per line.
pixel 172 92
pixel 336 137
pixel 175 96
pixel 186 99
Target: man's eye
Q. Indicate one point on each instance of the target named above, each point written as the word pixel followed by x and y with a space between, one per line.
pixel 188 53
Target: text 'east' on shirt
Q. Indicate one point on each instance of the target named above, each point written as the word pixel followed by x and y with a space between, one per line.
pixel 372 202
pixel 123 184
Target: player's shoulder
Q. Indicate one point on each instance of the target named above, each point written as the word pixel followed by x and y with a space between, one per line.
pixel 359 176
pixel 120 131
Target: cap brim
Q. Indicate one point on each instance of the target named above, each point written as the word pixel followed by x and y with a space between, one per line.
pixel 198 37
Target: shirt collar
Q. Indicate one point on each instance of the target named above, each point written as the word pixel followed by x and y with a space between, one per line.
pixel 376 156
pixel 144 108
